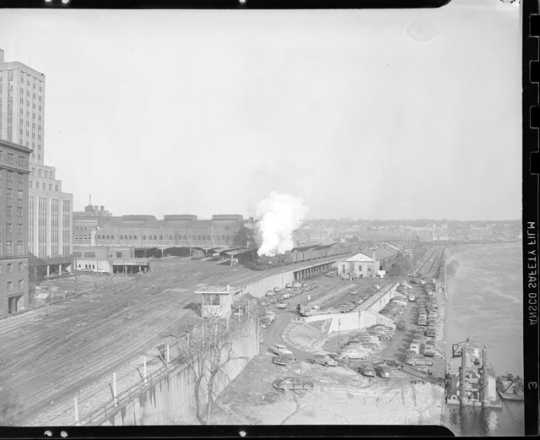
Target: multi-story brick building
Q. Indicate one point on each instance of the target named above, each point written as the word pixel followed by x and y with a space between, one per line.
pixel 14 170
pixel 86 224
pixel 22 113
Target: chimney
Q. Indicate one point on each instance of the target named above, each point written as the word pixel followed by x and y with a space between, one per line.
pixel 1 55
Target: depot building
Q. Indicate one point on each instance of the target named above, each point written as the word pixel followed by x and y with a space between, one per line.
pixel 359 266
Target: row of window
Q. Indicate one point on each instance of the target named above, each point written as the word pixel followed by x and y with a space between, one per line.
pixel 47 174
pixel 9 228
pixel 29 78
pixel 10 267
pixel 11 159
pixel 10 285
pixel 162 237
pixel 43 186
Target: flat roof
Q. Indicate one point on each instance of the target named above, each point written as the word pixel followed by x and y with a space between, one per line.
pixel 218 290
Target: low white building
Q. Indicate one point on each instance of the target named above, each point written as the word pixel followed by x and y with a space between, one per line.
pixel 358 266
pixel 216 302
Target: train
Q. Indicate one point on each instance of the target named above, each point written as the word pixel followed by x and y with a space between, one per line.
pixel 297 255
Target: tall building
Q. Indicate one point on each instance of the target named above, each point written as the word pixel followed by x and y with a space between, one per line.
pixel 22 109
pixel 22 106
pixel 14 170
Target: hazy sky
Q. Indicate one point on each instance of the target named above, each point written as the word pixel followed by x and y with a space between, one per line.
pixel 364 114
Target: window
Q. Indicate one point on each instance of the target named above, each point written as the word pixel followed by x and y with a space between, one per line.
pixel 211 300
pixel 9 286
pixel 21 284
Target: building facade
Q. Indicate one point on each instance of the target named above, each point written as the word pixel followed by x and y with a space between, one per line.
pixel 358 266
pixel 22 106
pixel 22 113
pixel 86 224
pixel 104 259
pixel 146 231
pixel 14 171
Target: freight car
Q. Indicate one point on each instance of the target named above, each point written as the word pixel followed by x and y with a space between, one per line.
pixel 296 255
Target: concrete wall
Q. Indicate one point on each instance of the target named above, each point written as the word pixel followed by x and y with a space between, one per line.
pixel 366 315
pixel 171 400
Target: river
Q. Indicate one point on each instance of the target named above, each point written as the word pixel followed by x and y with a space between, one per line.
pixel 485 303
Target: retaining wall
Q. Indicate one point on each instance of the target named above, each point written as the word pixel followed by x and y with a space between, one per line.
pixel 171 400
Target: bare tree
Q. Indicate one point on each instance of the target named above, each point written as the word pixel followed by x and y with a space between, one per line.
pixel 207 350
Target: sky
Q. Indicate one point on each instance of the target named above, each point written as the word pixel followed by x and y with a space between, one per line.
pixel 361 113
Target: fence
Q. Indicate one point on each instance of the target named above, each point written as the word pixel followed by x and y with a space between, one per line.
pixel 172 363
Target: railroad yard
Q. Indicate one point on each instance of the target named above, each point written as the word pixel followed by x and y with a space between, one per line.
pixel 52 353
pixel 100 324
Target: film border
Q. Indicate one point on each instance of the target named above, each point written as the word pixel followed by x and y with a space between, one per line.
pixel 531 125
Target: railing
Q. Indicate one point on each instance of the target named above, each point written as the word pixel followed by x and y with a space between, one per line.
pixel 108 410
pixel 111 408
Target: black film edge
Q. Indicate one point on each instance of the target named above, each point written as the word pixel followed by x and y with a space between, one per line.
pixel 531 122
pixel 222 4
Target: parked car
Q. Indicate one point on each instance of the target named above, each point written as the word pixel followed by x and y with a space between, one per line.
pixel 324 360
pixel 382 371
pixel 430 332
pixel 279 349
pixel 293 384
pixel 367 370
pixel 281 305
pixel 283 359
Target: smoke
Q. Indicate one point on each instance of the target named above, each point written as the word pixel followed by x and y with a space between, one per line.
pixel 277 217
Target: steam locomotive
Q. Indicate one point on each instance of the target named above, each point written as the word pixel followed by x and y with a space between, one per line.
pixel 296 255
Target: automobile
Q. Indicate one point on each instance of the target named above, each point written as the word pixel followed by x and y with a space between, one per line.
pixel 286 296
pixel 279 349
pixel 430 332
pixel 382 371
pixel 294 384
pixel 429 349
pixel 412 297
pixel 281 305
pixel 366 370
pixel 324 360
pixel 283 359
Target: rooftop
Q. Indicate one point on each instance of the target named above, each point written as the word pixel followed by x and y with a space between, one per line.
pixel 360 257
pixel 218 290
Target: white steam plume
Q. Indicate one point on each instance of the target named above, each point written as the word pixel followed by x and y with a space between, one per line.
pixel 277 217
